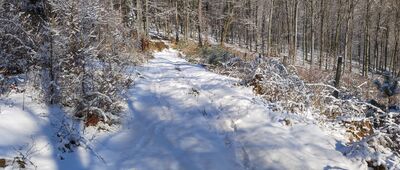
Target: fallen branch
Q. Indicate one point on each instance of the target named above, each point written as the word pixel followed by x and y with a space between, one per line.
pixel 324 85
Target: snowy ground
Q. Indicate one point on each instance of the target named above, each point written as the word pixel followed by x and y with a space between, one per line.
pixel 179 116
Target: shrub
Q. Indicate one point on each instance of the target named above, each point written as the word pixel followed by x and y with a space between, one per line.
pixel 389 88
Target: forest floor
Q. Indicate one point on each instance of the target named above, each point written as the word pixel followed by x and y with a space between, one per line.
pixel 179 116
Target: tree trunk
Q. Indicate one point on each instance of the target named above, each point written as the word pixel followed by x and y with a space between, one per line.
pixel 255 28
pixel 366 41
pixel 187 19
pixel 288 27
pixel 139 17
pixel 199 13
pixel 312 33
pixel 386 54
pixel 338 75
pixel 305 37
pixel 295 18
pixel 146 18
pixel 376 44
pixel 337 32
pixel 176 23
pixel 348 35
pixel 321 36
pixel 351 33
pixel 227 23
pixel 271 12
pixel 263 30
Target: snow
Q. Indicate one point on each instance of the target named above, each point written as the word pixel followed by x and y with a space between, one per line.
pixel 179 116
pixel 30 128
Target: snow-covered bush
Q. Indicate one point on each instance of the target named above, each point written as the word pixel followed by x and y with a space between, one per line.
pixel 11 83
pixel 372 132
pixel 68 137
pixel 219 59
pixel 378 130
pixel 215 56
pixel 389 88
pixel 90 63
pixel 280 85
pixel 377 150
pixel 74 60
pixel 17 44
pixel 375 133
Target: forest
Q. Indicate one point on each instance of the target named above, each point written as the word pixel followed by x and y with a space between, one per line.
pixel 200 84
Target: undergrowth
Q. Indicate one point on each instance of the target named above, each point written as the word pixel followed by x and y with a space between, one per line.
pixel 371 119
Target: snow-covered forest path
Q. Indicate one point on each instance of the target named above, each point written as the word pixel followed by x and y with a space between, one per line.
pixel 184 117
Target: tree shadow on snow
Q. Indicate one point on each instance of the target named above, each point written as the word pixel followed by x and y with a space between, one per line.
pixel 49 125
pixel 178 137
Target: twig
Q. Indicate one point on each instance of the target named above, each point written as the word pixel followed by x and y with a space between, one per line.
pixel 324 85
pixel 362 84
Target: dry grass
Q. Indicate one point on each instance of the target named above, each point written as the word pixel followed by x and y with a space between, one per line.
pixel 157 46
pixel 246 56
pixel 192 48
pixel 189 48
pixel 358 129
pixel 360 86
pixel 351 83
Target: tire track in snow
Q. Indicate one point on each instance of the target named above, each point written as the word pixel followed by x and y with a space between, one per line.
pixel 156 126
pixel 222 127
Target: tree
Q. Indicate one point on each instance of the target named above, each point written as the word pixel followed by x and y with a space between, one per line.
pixel 200 21
pixel 271 13
pixel 229 14
pixel 312 32
pixel 321 34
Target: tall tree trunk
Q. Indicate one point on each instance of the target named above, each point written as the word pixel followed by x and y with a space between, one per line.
pixel 338 75
pixel 312 32
pixel 227 22
pixel 139 17
pixel 376 44
pixel 263 30
pixel 337 32
pixel 395 55
pixel 255 30
pixel 289 36
pixel 187 20
pixel 305 37
pixel 271 13
pixel 349 44
pixel 146 17
pixel 366 41
pixel 386 54
pixel 200 19
pixel 295 18
pixel 176 22
pixel 321 36
pixel 348 33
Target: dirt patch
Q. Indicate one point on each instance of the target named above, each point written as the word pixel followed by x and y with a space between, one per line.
pixel 157 46
pixel 3 163
pixel 145 44
pixel 358 129
pixel 376 167
pixel 256 83
pixel 92 120
pixel 189 48
pixel 16 162
pixel 244 55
